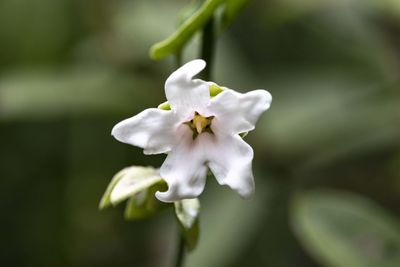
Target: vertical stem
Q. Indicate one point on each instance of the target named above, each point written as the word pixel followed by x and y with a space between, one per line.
pixel 207 48
pixel 207 53
pixel 178 59
pixel 180 254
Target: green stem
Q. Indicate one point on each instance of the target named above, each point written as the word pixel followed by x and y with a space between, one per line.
pixel 207 48
pixel 180 254
pixel 207 53
pixel 178 59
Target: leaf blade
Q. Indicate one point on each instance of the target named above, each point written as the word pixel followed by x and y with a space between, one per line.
pixel 128 182
pixel 345 230
pixel 187 213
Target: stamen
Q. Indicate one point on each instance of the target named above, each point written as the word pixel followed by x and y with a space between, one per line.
pixel 200 124
pixel 199 127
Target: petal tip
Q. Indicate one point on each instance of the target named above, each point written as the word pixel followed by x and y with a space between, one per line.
pixel 193 67
pixel 115 131
pixel 266 96
pixel 187 71
pixel 248 194
pixel 197 63
pixel 164 197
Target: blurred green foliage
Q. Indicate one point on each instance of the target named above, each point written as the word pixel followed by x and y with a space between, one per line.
pixel 70 70
pixel 341 229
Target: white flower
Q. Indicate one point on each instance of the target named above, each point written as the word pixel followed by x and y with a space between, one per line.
pixel 199 131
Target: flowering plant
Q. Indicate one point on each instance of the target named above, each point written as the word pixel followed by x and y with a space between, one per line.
pixel 198 127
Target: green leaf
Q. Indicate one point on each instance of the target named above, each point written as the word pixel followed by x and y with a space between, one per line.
pixel 232 9
pixel 187 212
pixel 144 203
pixel 105 200
pixel 175 42
pixel 127 183
pixel 345 230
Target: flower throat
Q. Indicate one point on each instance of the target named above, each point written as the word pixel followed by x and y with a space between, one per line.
pixel 200 124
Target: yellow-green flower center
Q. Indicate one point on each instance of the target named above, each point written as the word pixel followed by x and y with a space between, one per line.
pixel 200 124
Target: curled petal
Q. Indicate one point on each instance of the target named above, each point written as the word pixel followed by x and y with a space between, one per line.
pixel 152 129
pixel 237 113
pixel 184 94
pixel 186 72
pixel 184 169
pixel 230 161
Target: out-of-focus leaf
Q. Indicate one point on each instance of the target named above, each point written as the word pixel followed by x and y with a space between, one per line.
pixel 343 123
pixel 144 203
pixel 192 236
pixel 175 42
pixel 82 90
pixel 232 9
pixel 27 36
pixel 133 180
pixel 105 200
pixel 134 27
pixel 392 7
pixel 294 8
pixel 189 11
pixel 127 183
pixel 187 212
pixel 345 230
pixel 229 225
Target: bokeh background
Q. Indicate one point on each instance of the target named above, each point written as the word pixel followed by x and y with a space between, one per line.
pixel 327 153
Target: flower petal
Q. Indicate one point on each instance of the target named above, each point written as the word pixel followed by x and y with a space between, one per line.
pixel 184 94
pixel 184 169
pixel 152 129
pixel 237 113
pixel 230 161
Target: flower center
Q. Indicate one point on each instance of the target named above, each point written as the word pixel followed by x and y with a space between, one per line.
pixel 200 124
